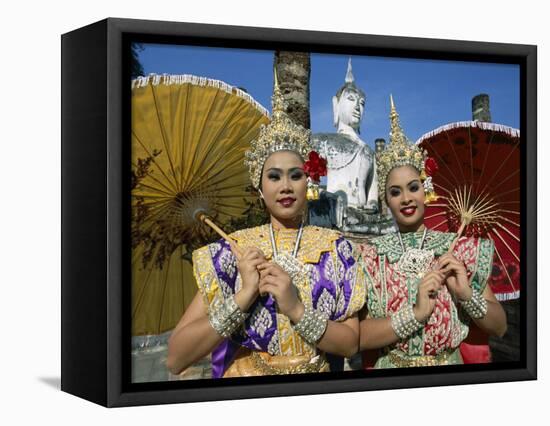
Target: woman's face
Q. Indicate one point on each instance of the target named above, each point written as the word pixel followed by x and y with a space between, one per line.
pixel 284 186
pixel 405 198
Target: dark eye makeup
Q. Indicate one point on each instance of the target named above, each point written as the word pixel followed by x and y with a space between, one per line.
pixel 394 192
pixel 413 187
pixel 297 175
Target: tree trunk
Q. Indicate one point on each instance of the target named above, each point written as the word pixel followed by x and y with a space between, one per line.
pixel 293 70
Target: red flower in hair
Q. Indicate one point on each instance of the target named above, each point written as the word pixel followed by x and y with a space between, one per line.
pixel 430 166
pixel 315 166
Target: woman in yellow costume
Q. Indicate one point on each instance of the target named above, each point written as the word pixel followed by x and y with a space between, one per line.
pixel 277 297
pixel 423 286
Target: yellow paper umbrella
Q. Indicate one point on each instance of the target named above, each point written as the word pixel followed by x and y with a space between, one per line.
pixel 189 135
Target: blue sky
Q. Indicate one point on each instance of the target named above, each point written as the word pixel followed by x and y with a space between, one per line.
pixel 427 93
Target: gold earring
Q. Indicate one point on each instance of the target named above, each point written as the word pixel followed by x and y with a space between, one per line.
pixel 430 197
pixel 312 190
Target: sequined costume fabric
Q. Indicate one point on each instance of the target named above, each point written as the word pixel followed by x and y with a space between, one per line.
pixel 389 289
pixel 333 285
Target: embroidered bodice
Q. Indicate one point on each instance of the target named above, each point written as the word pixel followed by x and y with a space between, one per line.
pixel 389 288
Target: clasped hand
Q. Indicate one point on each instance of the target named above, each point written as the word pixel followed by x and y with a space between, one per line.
pixel 248 260
pixel 276 281
pixel 456 277
pixel 448 271
pixel 261 277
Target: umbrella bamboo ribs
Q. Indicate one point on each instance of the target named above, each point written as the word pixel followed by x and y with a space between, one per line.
pixel 482 210
pixel 467 217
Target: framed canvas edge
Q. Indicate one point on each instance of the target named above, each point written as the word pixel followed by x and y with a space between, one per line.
pixel 530 138
pixel 118 28
pixel 390 45
pixel 84 213
pixel 328 386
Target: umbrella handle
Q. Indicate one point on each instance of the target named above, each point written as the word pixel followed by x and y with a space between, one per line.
pixel 433 294
pixel 458 235
pixel 205 219
pixel 466 219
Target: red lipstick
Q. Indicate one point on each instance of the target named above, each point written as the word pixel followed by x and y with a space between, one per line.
pixel 408 211
pixel 287 202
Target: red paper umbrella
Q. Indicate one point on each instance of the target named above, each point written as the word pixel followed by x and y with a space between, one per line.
pixel 479 181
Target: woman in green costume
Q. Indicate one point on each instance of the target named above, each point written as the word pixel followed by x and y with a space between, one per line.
pixel 423 286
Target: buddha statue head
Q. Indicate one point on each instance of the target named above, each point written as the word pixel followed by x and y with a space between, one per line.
pixel 348 104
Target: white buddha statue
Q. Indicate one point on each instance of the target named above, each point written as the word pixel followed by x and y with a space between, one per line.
pixel 351 164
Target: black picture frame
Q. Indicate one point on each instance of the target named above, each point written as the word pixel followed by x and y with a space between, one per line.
pixel 95 210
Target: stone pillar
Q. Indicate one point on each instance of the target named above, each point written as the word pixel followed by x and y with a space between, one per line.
pixel 293 71
pixel 480 108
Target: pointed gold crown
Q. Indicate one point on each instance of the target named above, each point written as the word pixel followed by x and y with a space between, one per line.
pixel 281 134
pixel 400 152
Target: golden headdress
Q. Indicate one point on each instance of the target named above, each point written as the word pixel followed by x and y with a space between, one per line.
pixel 281 134
pixel 401 152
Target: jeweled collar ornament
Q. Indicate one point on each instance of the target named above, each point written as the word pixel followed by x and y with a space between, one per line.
pixel 415 260
pixel 288 261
